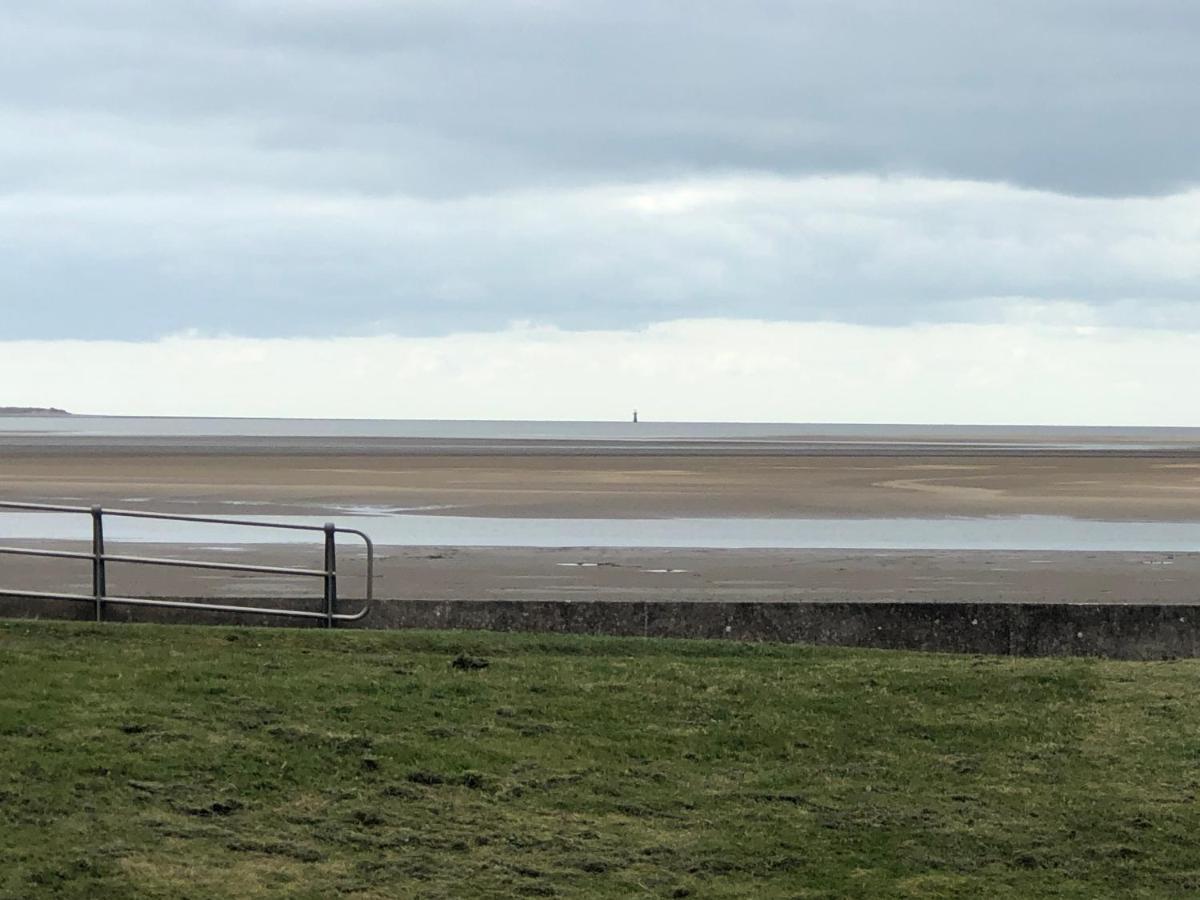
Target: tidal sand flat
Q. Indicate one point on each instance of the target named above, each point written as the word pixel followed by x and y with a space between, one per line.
pixel 1129 486
pixel 571 488
pixel 588 573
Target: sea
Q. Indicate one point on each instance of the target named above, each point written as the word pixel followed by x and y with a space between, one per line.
pixel 400 527
pixel 84 430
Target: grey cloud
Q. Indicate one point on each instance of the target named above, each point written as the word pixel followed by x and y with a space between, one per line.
pixel 853 249
pixel 343 166
pixel 436 98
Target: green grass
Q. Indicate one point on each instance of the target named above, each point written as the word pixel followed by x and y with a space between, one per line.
pixel 144 761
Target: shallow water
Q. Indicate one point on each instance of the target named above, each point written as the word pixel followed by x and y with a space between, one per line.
pixel 404 529
pixel 1032 437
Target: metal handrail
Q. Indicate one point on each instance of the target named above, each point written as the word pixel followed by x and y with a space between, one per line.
pixel 99 559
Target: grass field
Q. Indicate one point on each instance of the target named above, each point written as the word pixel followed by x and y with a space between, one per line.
pixel 144 761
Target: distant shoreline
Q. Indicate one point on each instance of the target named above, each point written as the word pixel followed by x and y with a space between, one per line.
pixel 33 411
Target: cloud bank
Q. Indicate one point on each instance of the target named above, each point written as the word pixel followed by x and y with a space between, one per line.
pixel 943 192
pixel 734 370
pixel 458 97
pixel 858 249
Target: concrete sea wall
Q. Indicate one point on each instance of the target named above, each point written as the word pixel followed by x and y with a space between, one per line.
pixel 1118 631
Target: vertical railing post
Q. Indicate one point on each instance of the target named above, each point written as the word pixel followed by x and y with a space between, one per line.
pixel 330 574
pixel 99 586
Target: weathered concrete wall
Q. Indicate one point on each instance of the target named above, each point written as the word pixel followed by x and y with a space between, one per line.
pixel 1110 630
pixel 1141 631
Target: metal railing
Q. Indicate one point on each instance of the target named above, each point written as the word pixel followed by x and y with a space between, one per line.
pixel 99 559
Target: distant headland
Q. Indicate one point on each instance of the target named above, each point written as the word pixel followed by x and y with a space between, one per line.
pixel 32 411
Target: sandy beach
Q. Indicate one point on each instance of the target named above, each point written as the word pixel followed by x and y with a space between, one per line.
pixel 476 573
pixel 1124 486
pixel 1110 486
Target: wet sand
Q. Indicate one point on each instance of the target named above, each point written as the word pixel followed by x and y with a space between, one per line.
pixel 652 574
pixel 1128 486
pixel 786 482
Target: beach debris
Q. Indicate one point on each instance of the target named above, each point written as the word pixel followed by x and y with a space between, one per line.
pixel 429 779
pixel 221 807
pixel 466 663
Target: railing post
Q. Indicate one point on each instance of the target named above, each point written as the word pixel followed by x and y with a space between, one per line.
pixel 330 574
pixel 98 575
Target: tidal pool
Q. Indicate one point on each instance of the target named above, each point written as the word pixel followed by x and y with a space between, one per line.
pixel 391 528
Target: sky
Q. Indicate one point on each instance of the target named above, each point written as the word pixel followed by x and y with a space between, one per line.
pixel 818 210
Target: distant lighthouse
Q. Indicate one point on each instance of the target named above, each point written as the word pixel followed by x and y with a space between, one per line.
pixel 635 417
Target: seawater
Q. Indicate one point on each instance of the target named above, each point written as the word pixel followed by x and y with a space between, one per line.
pixel 1034 533
pixel 1096 438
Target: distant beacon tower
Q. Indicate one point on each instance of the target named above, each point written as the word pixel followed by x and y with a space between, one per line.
pixel 635 417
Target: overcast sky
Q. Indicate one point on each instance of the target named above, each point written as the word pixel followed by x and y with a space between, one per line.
pixel 337 170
